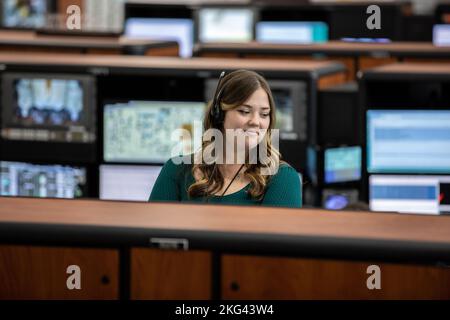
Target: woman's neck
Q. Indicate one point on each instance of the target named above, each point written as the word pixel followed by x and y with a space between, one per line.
pixel 230 170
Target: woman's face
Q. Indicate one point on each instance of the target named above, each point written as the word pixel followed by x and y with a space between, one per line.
pixel 250 118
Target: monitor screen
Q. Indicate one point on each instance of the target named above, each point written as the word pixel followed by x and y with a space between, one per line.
pixel 342 164
pixel 441 35
pixel 24 14
pixel 148 131
pixel 311 164
pixel 409 194
pixel 44 181
pixel 48 108
pixel 338 199
pixel 180 30
pixel 225 24
pixel 290 99
pixel 291 32
pixel 409 141
pixel 130 183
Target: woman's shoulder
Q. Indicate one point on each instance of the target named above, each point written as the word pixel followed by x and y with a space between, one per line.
pixel 284 188
pixel 286 172
pixel 178 164
pixel 286 167
pixel 178 161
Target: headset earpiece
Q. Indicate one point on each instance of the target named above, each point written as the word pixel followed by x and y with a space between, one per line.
pixel 217 114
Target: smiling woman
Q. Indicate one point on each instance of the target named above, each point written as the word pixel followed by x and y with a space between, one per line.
pixel 243 110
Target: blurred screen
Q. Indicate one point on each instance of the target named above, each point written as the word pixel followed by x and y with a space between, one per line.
pixel 47 109
pixel 409 194
pixel 311 164
pixel 284 109
pixel 45 181
pixel 291 32
pixel 142 131
pixel 131 183
pixel 342 164
pixel 338 199
pixel 24 14
pixel 441 35
pixel 180 30
pixel 226 24
pixel 291 108
pixel 410 141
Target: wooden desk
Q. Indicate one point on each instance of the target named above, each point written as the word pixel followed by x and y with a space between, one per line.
pixel 356 56
pixel 323 71
pixel 27 41
pixel 232 252
pixel 422 70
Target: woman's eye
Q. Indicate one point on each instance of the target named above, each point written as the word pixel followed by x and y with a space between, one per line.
pixel 244 111
pixel 265 115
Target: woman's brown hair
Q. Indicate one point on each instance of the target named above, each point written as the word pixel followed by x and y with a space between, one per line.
pixel 236 88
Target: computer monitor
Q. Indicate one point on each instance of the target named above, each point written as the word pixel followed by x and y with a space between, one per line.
pixel 338 199
pixel 225 24
pixel 48 108
pixel 291 32
pixel 130 183
pixel 409 193
pixel 149 131
pixel 290 99
pixel 408 141
pixel 311 164
pixel 180 30
pixel 441 35
pixel 44 181
pixel 342 164
pixel 24 14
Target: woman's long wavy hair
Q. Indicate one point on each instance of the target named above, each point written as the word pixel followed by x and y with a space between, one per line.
pixel 237 87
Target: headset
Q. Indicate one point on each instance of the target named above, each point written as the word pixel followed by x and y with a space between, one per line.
pixel 217 114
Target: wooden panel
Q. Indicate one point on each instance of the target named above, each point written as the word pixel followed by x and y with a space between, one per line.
pixel 424 229
pixel 37 49
pixel 40 273
pixel 172 51
pixel 166 62
pixel 423 60
pixel 340 48
pixel 167 274
pixel 102 51
pixel 332 80
pixel 370 62
pixel 350 65
pixel 251 277
pixel 64 4
pixel 275 56
pixel 219 55
pixel 349 62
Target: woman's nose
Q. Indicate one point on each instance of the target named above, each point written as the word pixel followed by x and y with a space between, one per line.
pixel 255 119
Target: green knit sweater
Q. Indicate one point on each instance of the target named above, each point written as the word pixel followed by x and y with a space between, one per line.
pixel 284 189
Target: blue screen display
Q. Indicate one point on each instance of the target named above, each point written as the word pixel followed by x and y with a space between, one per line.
pixel 342 164
pixel 409 141
pixel 180 30
pixel 291 32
